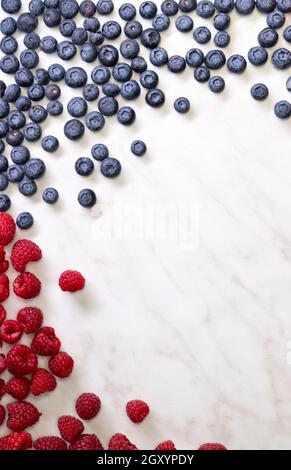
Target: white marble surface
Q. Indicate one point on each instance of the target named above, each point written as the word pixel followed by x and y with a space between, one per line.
pixel 199 328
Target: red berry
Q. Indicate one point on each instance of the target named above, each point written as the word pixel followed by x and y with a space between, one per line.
pixel 26 286
pixel 120 442
pixel 70 428
pixel 2 388
pixel 86 442
pixel 61 364
pixel 16 441
pixel 71 281
pixel 137 410
pixel 23 252
pixel 10 331
pixel 42 381
pixel 4 265
pixel 4 287
pixel 18 387
pixel 45 342
pixel 167 445
pixel 21 415
pixel 2 314
pixel 212 446
pixel 7 229
pixel 49 443
pixel 2 363
pixel 30 318
pixel 2 414
pixel 88 405
pixel 20 360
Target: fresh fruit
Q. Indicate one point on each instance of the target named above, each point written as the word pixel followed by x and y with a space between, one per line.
pixel 50 443
pixel 70 428
pixel 23 252
pixel 26 285
pixel 7 229
pixel 45 342
pixel 86 442
pixel 16 441
pixel 21 415
pixel 18 387
pixel 61 365
pixel 30 318
pixel 20 360
pixel 10 331
pixel 120 442
pixel 137 410
pixel 42 381
pixel 88 405
pixel 71 281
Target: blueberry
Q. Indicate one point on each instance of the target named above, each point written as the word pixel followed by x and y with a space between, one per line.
pixel 50 195
pixel 67 27
pixel 96 39
pixel 42 77
pixel 51 17
pixel 216 84
pixel 214 59
pixel 266 6
pixel 36 92
pixel 283 109
pixel 37 113
pixel 36 7
pixel 74 129
pixel 148 10
pixel 2 88
pixel 122 72
pixel 27 187
pixel 88 52
pixel 66 50
pixel 155 98
pixel 48 44
pixel 133 29
pixel 16 119
pixel 244 7
pixel 202 35
pixel 176 64
pixel 14 137
pixel 24 220
pixel 268 37
pixel 90 92
pixel 9 64
pixel 138 148
pixel 84 166
pixel 111 29
pixel 224 6
pixel 77 107
pixel 108 55
pixel 2 147
pixel 287 34
pixel 284 5
pixel 201 74
pixel 221 39
pixel 75 77
pixel 108 106
pixel 3 181
pixel 32 132
pixel 130 90
pixel 15 173
pixel 4 108
pixel 129 48
pixel 259 91
pixel 91 24
pixel 236 63
pixel 20 155
pixel 127 11
pixel 51 3
pixel 110 167
pixel 4 128
pixel 169 7
pixel 139 64
pixel 100 75
pixel 8 45
pixel 56 73
pixel 288 84
pixel 281 58
pixel 5 202
pixel 149 79
pixel 11 6
pixel 150 38
pixel 29 58
pixel 54 108
pixel 105 7
pixel 3 163
pixel 126 115
pixel 159 56
pixel 95 121
pixel 8 25
pixel 195 57
pixel 87 198
pixel 12 92
pixel 31 40
pixel 275 19
pixel 87 8
pixel 257 55
pixel 221 21
pixel 161 23
pixel 205 9
pixel 182 105
pixel 184 23
pixel 34 168
pixel 50 143
pixel 79 36
pixel 68 8
pixel 52 92
pixel 99 152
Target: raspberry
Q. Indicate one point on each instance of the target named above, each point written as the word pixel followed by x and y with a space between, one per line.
pixel 20 360
pixel 18 387
pixel 45 342
pixel 4 265
pixel 86 442
pixel 21 415
pixel 2 363
pixel 2 414
pixel 4 287
pixel 7 229
pixel 212 446
pixel 49 443
pixel 26 286
pixel 167 445
pixel 71 281
pixel 137 410
pixel 10 331
pixel 16 441
pixel 2 388
pixel 23 252
pixel 61 364
pixel 2 314
pixel 42 381
pixel 120 442
pixel 70 428
pixel 30 318
pixel 88 405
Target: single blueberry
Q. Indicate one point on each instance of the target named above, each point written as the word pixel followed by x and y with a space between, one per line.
pixel 95 121
pixel 4 108
pixel 161 23
pixel 79 36
pixel 284 5
pixel 108 55
pixel 159 56
pixel 48 44
pixel 24 77
pixel 36 92
pixel 149 79
pixel 129 48
pixel 87 8
pixel 32 132
pixel 12 93
pixel 42 77
pixel 27 187
pixel 90 92
pixel 110 167
pixel 133 29
pixel 24 220
pixel 205 9
pixel 287 34
pixel 8 25
pixel 27 22
pixel 202 35
pixel 9 64
pixel 195 57
pixel 184 23
pixel 155 98
pixel 50 195
pixel 88 52
pixel 150 38
pixel 99 152
pixel 268 37
pixel 275 19
pixel 8 45
pixel 54 108
pixel 50 143
pixel 51 17
pixel 4 128
pixel 52 92
pixel 266 6
pixel 34 168
pixel 29 58
pixel 182 105
pixel 66 50
pixel 75 77
pixel 91 24
pixel 127 11
pixel 16 119
pixel 36 7
pixel 224 6
pixel 96 38
pixel 14 137
pixel 108 106
pixel 67 27
pixel 259 91
pixel 31 40
pixel 74 129
pixel 130 90
pixel 126 115
pixel 111 29
pixel 236 63
pixel 139 64
pixel 282 109
pixel 201 74
pixel 176 64
pixel 5 202
pixel 68 8
pixel 169 7
pixel 111 89
pixel 3 163
pixel 148 10
pixel 77 107
pixel 84 166
pixel 15 173
pixel 105 7
pixel 4 181
pixel 221 39
pixel 221 21
pixel 37 113
pixel 87 198
pixel 245 7
pixel 122 72
pixel 281 58
pixel 216 84
pixel 257 55
pixel 56 72
pixel 20 155
pixel 186 6
pixel 100 75
pixel 215 59
pixel 138 148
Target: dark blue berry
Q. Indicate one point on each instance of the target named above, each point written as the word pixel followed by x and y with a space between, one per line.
pixel 126 115
pixel 195 57
pixel 169 7
pixel 50 143
pixel 268 37
pixel 52 92
pixel 236 63
pixel 84 166
pixel 266 6
pixel 54 108
pixel 32 132
pixel 36 92
pixel 3 181
pixel 287 34
pixel 138 148
pixel 68 8
pixel 74 129
pixel 149 79
pixel 186 6
pixel 8 45
pixel 127 11
pixel 221 21
pixel 15 173
pixel 148 10
pixel 245 7
pixel 95 121
pixel 108 106
pixel 182 105
pixel 216 84
pixel 3 163
pixel 24 77
pixel 27 187
pixel 257 55
pixel 176 64
pixel 155 98
pixel 110 167
pixel 34 168
pixel 201 74
pixel 133 29
pixel 79 36
pixel 111 29
pixel 281 58
pixel 5 202
pixel 56 73
pixel 4 108
pixel 205 9
pixel 29 58
pixel 111 89
pixel 90 92
pixel 108 55
pixel 139 64
pixel 8 25
pixel 66 50
pixel 14 137
pixel 51 3
pixel 87 198
pixel 159 56
pixel 161 23
pixel 221 39
pixel 42 77
pixel 24 220
pixel 20 155
pixel 100 75
pixel 36 7
pixel 96 39
pixel 87 8
pixel 12 92
pixel 150 38
pixel 283 109
pixel 130 90
pixel 214 59
pixel 184 23
pixel 77 107
pixel 16 119
pixel 99 152
pixel 37 113
pixel 75 77
pixel 275 19
pixel 11 6
pixel 284 5
pixel 67 27
pixel 91 24
pixel 4 128
pixel 31 40
pixel 9 64
pixel 88 52
pixel 202 35
pixel 52 17
pixel 129 48
pixel 105 7
pixel 122 72
pixel 50 195
pixel 224 6
pixel 48 44
pixel 259 91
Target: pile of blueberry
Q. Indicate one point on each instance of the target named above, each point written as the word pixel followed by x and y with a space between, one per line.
pixel 21 115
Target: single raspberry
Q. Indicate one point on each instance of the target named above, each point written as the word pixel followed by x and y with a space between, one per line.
pixel 45 342
pixel 16 441
pixel 2 388
pixel 23 252
pixel 212 446
pixel 26 286
pixel 2 314
pixel 61 364
pixel 167 445
pixel 70 428
pixel 4 265
pixel 10 331
pixel 120 442
pixel 49 443
pixel 18 387
pixel 7 229
pixel 137 410
pixel 88 405
pixel 2 414
pixel 4 287
pixel 21 415
pixel 30 318
pixel 86 442
pixel 20 360
pixel 71 281
pixel 2 363
pixel 42 381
